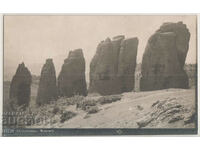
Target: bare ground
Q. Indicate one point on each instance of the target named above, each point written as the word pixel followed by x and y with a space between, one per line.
pixel 171 108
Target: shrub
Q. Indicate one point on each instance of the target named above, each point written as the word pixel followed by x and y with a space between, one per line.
pixel 109 99
pixel 86 103
pixel 66 116
pixel 92 109
pixel 74 100
pixel 139 107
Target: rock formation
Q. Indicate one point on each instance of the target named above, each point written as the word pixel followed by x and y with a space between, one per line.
pixel 47 90
pixel 71 80
pixel 168 112
pixel 20 87
pixel 164 58
pixel 113 66
pixel 127 64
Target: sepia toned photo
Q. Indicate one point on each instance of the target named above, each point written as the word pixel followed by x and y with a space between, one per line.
pixel 99 75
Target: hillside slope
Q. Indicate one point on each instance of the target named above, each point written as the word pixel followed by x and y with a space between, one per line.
pixel 171 108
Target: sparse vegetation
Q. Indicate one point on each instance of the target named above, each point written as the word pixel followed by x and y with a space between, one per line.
pixel 62 110
pixel 84 105
pixel 66 116
pixel 139 107
pixel 109 99
pixel 92 109
pixel 74 100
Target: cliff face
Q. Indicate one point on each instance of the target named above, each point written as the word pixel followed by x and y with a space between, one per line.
pixel 20 86
pixel 71 80
pixel 182 38
pixel 127 64
pixel 47 90
pixel 164 58
pixel 113 66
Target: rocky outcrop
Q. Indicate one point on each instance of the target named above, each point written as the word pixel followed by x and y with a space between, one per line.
pixel 71 80
pixel 166 112
pixel 127 64
pixel 47 90
pixel 20 87
pixel 113 66
pixel 182 38
pixel 164 58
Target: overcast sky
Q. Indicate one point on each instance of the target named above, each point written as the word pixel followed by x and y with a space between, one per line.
pixel 33 39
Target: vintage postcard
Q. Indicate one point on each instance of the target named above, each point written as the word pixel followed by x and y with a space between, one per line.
pixel 99 75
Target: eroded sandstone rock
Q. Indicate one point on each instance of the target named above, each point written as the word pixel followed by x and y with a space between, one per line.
pixel 127 64
pixel 164 58
pixel 166 112
pixel 71 80
pixel 47 90
pixel 20 87
pixel 113 66
pixel 182 38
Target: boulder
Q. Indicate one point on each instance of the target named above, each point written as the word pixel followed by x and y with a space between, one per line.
pixel 111 67
pixel 71 80
pixel 164 58
pixel 20 87
pixel 47 90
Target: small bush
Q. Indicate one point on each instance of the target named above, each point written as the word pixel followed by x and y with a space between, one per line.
pixel 139 107
pixel 66 116
pixel 109 99
pixel 74 100
pixel 92 109
pixel 86 103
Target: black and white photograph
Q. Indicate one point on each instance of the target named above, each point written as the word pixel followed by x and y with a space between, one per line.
pixel 99 74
